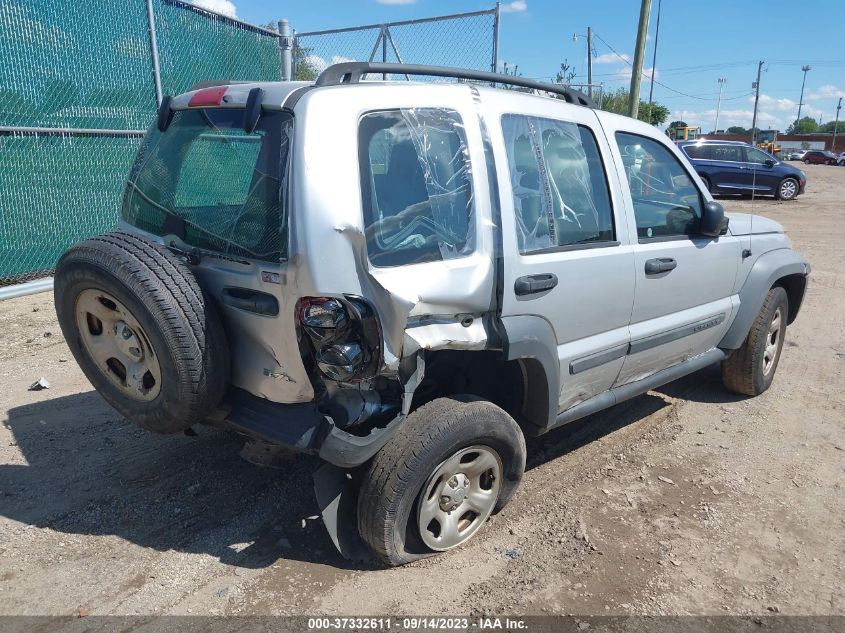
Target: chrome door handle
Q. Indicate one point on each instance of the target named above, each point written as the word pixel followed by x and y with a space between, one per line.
pixel 532 284
pixel 660 265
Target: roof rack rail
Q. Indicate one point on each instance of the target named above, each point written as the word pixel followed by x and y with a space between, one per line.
pixel 351 73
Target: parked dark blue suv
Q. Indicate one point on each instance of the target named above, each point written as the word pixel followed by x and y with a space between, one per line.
pixel 734 167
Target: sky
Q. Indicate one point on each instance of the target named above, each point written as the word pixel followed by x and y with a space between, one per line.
pixel 699 42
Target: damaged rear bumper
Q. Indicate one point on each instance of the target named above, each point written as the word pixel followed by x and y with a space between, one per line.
pixel 301 427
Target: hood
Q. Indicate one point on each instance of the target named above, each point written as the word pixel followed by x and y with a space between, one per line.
pixel 742 224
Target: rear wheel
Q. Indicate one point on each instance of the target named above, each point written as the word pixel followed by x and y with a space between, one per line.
pixel 707 183
pixel 142 330
pixel 787 190
pixel 806 161
pixel 454 462
pixel 751 369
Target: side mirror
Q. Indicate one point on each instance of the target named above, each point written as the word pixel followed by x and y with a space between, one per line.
pixel 713 220
pixel 769 162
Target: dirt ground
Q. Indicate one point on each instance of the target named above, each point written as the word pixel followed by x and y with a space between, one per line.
pixel 688 500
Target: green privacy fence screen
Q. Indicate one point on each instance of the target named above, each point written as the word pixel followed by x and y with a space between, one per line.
pixel 77 89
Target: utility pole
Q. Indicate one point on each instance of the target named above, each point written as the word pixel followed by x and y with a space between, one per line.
pixel 756 101
pixel 654 60
pixel 836 126
pixel 804 68
pixel 590 62
pixel 639 52
pixel 722 81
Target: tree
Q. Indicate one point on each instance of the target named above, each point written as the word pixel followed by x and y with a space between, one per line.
pixel 566 73
pixel 827 128
pixel 306 69
pixel 617 102
pixel 674 125
pixel 805 125
pixel 737 129
pixel 653 113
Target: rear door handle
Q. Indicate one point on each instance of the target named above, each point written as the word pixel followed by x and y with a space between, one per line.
pixel 532 284
pixel 660 265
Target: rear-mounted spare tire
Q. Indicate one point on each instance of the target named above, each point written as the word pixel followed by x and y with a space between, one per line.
pixel 142 330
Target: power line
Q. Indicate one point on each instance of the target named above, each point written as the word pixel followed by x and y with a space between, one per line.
pixel 659 83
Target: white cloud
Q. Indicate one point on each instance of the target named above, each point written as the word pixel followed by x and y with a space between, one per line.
pixel 319 64
pixel 627 71
pixel 771 103
pixel 776 119
pixel 827 91
pixel 611 58
pixel 223 7
pixel 316 62
pixel 515 6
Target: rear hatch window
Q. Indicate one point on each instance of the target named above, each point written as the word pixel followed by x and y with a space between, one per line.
pixel 212 184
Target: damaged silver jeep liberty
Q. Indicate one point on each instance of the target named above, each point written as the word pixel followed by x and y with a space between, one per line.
pixel 407 278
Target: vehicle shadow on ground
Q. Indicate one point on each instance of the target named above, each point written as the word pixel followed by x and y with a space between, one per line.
pixel 88 471
pixel 704 385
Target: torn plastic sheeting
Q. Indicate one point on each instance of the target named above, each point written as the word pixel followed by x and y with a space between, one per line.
pixel 549 169
pixel 393 310
pixel 448 176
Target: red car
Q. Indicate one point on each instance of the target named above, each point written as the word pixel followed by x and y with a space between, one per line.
pixel 818 157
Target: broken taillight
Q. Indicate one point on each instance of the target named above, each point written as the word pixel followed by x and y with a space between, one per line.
pixel 343 336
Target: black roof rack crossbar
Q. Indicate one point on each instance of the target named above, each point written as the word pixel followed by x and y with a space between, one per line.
pixel 351 73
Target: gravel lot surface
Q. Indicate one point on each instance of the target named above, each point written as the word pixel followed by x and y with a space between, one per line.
pixel 686 500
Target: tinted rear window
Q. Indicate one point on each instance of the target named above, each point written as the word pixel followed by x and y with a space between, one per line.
pixel 225 185
pixel 697 151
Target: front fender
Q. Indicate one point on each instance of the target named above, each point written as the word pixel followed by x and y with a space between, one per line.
pixel 765 273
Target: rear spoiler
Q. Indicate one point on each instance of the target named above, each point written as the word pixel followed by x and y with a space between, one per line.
pixel 251 116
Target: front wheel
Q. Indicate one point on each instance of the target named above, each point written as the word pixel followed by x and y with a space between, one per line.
pixel 454 462
pixel 751 369
pixel 787 190
pixel 806 162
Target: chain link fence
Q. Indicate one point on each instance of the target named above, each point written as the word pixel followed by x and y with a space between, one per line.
pixel 466 40
pixel 81 79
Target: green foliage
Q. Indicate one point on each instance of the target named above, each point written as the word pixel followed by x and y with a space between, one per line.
pixel 805 125
pixel 618 101
pixel 566 73
pixel 305 68
pixel 654 113
pixel 827 128
pixel 674 125
pixel 737 129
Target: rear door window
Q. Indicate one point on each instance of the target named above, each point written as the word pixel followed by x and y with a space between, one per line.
pixel 698 151
pixel 208 178
pixel 416 186
pixel 729 153
pixel 560 191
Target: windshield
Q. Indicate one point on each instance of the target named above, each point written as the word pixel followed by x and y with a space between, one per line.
pixel 214 185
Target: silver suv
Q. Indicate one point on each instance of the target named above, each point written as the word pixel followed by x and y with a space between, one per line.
pixel 406 279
